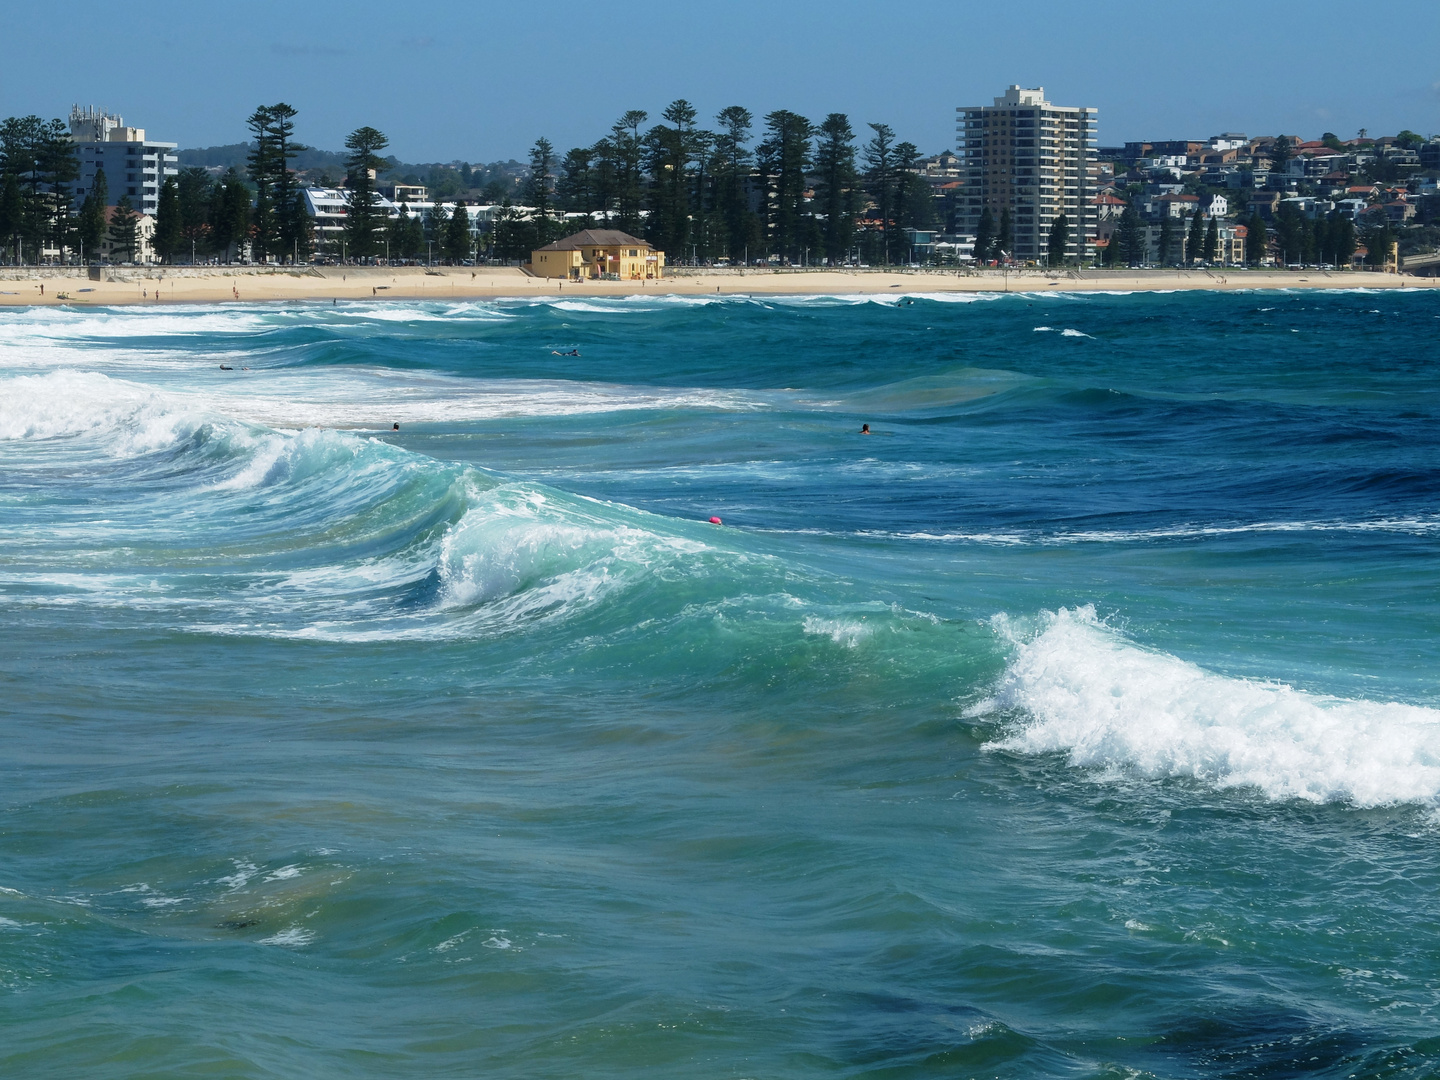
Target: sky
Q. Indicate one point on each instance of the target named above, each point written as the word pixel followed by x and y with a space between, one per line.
pixel 475 81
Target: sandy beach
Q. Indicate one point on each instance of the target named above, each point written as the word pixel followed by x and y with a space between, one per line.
pixel 123 285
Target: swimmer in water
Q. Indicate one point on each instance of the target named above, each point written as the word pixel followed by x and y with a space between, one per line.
pixel 395 426
pixel 226 367
pixel 864 429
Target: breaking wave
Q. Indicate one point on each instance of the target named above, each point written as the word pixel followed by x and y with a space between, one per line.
pixel 1084 691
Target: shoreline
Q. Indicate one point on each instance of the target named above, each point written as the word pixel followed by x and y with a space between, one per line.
pixel 73 287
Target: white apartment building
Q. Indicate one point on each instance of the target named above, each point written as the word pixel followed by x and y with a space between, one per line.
pixel 1033 158
pixel 329 207
pixel 134 165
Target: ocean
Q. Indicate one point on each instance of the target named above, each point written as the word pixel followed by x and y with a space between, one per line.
pixel 1082 720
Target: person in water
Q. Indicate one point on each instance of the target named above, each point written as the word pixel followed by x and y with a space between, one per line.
pixel 557 352
pixel 395 426
pixel 864 429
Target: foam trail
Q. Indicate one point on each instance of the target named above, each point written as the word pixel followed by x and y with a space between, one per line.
pixel 1105 702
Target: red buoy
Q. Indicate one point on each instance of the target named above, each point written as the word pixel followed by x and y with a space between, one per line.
pixel 716 521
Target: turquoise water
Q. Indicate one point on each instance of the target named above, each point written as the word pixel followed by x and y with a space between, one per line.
pixel 1082 721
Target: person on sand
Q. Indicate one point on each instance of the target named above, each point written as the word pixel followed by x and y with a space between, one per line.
pixel 864 429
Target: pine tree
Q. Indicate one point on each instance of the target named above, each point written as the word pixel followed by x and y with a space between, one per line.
pixel 125 228
pixel 1005 236
pixel 575 190
pixel 880 175
pixel 277 228
pixel 299 227
pixel 11 218
pixel 1289 234
pixel 1167 239
pixel 436 222
pixel 540 185
pixel 168 235
pixel 730 169
pixel 90 227
pixel 914 204
pixel 1131 237
pixel 1112 248
pixel 1212 240
pixel 984 237
pixel 1342 239
pixel 1257 241
pixel 1195 242
pixel 1059 237
pixel 835 162
pixel 627 153
pixel 20 140
pixel 1378 239
pixel 457 236
pixel 669 150
pixel 59 165
pixel 261 164
pixel 784 159
pixel 414 239
pixel 230 218
pixel 363 221
pixel 196 194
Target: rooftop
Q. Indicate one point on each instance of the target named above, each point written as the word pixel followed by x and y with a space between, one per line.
pixel 596 238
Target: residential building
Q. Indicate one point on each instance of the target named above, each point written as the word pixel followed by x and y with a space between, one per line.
pixel 1400 211
pixel 1353 208
pixel 1175 205
pixel 607 254
pixel 145 235
pixel 946 166
pixel 1229 248
pixel 135 167
pixel 1307 206
pixel 1107 205
pixel 1429 154
pixel 1265 203
pixel 329 207
pixel 1033 158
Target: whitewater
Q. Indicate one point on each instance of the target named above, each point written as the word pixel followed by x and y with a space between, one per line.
pixel 1083 720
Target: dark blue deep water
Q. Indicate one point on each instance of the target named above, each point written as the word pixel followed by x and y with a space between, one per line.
pixel 1081 721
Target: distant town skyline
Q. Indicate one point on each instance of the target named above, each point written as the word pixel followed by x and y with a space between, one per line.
pixel 479 82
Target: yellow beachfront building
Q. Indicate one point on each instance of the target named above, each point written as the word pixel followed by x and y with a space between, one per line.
pixel 605 254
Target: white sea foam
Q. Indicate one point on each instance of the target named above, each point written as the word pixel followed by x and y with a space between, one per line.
pixel 1420 525
pixel 846 632
pixel 1106 703
pixel 134 418
pixel 244 871
pixel 291 937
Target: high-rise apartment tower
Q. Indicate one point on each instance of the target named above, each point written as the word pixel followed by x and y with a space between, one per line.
pixel 134 166
pixel 1032 157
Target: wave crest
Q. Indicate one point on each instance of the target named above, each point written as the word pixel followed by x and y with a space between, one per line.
pixel 1104 702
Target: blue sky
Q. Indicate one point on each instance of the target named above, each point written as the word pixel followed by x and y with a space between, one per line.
pixel 480 81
